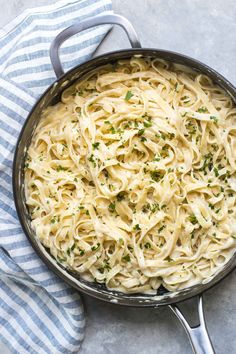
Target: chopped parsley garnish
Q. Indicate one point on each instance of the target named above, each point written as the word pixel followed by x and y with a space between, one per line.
pixel 153 208
pixel 112 207
pixel 208 162
pixel 147 245
pixel 128 95
pixel 137 227
pixel 202 109
pixel 143 139
pixel 163 136
pixel 156 207
pixel 127 125
pixel 141 132
pixel 126 258
pixel 164 151
pixel 191 127
pixel 61 168
pixel 156 175
pixel 91 159
pixel 157 159
pixel 171 136
pixel 147 124
pixel 146 207
pixel 81 252
pixel 73 247
pixel 106 265
pixel 215 119
pixel 95 248
pixel 161 228
pixel 112 130
pixel 193 219
pixel 216 172
pixel 79 93
pixel 95 145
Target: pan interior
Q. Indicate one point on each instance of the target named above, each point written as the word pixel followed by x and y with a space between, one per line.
pixel 52 96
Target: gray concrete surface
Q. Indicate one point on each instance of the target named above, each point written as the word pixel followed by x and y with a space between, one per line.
pixel 205 30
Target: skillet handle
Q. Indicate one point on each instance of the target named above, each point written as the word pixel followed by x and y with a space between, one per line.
pixel 198 335
pixel 79 27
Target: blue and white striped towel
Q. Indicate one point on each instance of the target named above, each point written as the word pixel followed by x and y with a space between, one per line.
pixel 39 313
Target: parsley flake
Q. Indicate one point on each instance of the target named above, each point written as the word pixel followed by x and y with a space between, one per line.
pixel 141 132
pixel 147 245
pixel 156 175
pixel 137 227
pixel 128 95
pixel 215 119
pixel 216 172
pixel 147 124
pixel 112 207
pixel 202 109
pixel 193 219
pixel 126 258
pixel 95 145
pixel 95 248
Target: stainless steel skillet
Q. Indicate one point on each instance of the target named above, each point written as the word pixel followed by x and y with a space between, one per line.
pixel 198 335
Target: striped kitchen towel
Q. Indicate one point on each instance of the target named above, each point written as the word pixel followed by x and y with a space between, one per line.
pixel 39 313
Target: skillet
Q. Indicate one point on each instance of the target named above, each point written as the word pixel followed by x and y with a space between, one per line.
pixel 198 335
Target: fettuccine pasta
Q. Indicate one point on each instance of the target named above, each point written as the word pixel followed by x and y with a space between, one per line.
pixel 130 179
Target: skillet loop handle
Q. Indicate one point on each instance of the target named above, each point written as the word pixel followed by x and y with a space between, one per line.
pixel 198 335
pixel 79 27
